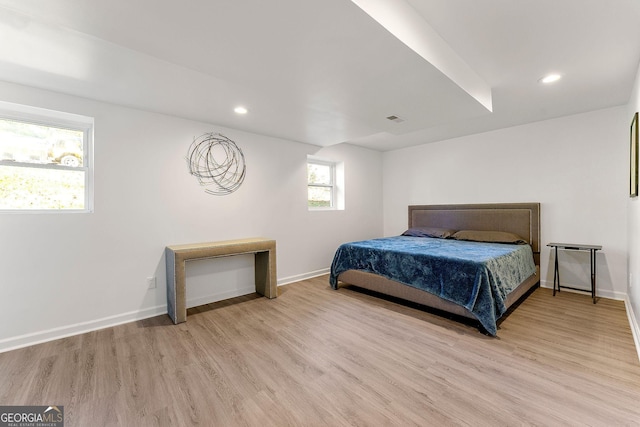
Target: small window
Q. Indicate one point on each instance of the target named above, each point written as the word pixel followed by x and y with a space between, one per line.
pixel 321 177
pixel 45 161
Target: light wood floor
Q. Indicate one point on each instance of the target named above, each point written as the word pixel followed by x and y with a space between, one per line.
pixel 318 357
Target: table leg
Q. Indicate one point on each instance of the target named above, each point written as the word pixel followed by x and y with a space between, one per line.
pixel 593 275
pixel 556 273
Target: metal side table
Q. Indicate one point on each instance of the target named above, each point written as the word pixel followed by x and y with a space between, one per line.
pixel 575 247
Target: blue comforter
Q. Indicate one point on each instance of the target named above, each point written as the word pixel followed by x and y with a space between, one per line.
pixel 477 276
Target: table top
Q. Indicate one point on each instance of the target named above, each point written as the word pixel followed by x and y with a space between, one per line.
pixel 575 246
pixel 239 243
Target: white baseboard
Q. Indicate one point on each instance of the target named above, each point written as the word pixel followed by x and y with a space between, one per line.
pixel 633 323
pixel 619 296
pixel 299 277
pixel 26 340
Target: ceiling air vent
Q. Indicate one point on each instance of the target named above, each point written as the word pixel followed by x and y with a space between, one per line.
pixel 395 119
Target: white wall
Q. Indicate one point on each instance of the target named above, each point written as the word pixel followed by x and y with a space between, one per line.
pixel 575 166
pixel 634 232
pixel 66 273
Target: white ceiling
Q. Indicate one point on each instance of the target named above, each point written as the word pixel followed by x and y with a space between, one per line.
pixel 325 71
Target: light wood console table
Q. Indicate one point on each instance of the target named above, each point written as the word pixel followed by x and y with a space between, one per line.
pixel 177 255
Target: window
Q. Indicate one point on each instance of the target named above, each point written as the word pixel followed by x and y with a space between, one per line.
pixel 321 177
pixel 45 160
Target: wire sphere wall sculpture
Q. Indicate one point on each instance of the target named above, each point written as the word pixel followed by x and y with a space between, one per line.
pixel 217 162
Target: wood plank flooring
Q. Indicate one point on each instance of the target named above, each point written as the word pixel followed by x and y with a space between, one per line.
pixel 319 357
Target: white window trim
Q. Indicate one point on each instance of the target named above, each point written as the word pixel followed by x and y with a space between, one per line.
pixel 53 118
pixel 338 186
pixel 332 185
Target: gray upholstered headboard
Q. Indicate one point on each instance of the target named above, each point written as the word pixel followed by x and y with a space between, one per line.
pixel 522 219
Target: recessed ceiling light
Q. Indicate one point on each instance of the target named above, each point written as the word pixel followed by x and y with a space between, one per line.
pixel 550 78
pixel 240 110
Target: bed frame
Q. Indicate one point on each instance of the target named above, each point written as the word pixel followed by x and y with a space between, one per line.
pixel 522 219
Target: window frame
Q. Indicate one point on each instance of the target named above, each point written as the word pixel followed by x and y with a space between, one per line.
pixel 331 186
pixel 58 119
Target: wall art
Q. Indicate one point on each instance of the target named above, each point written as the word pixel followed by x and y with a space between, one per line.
pixel 217 162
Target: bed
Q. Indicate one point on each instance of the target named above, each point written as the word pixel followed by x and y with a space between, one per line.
pixel 470 260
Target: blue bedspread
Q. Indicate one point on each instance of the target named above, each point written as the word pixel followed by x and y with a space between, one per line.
pixel 477 276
